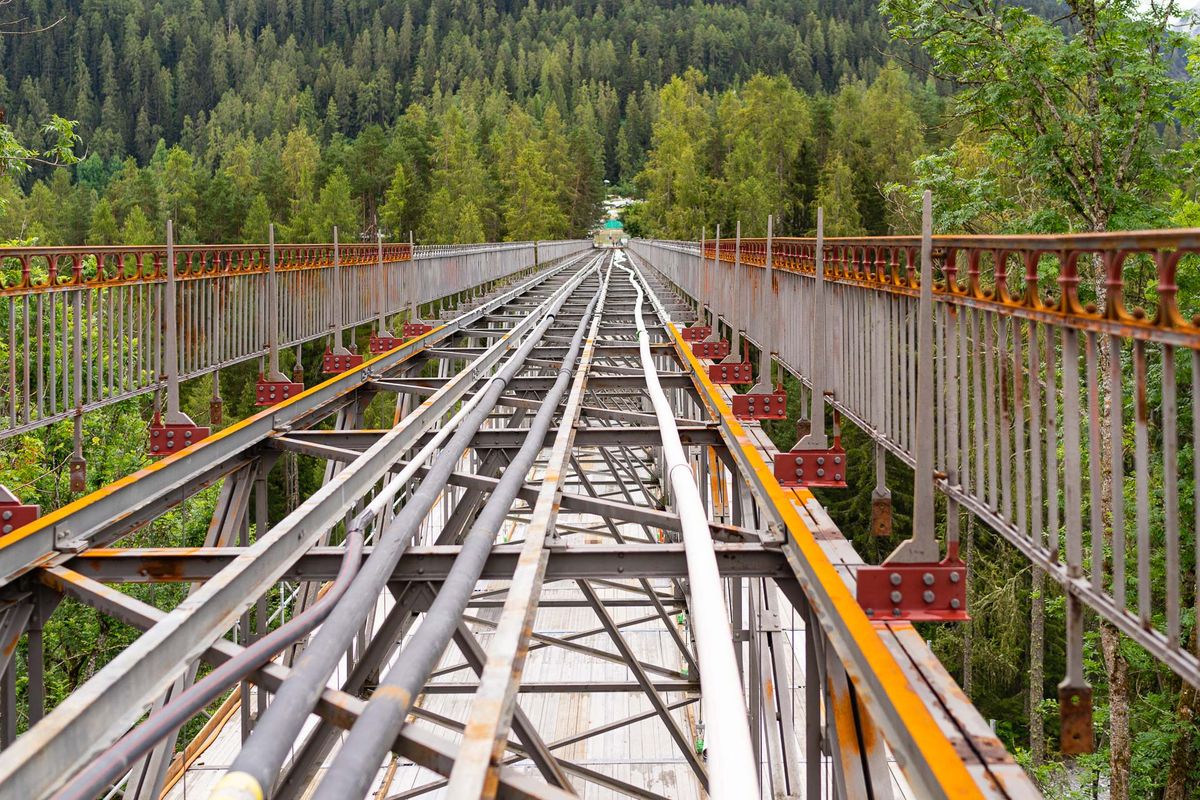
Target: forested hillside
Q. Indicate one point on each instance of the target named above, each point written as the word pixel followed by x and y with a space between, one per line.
pixel 321 111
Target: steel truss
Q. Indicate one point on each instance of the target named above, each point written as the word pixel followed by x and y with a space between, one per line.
pixel 571 503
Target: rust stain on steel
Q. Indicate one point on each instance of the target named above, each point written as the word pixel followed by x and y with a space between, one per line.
pixel 936 748
pixel 888 263
pixel 119 265
pixel 1075 718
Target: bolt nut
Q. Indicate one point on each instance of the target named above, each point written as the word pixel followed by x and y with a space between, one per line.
pixel 955 577
pixel 820 459
pixel 837 459
pixel 896 597
pixel 895 578
pixel 927 596
pixel 927 578
pixel 7 515
pixel 954 603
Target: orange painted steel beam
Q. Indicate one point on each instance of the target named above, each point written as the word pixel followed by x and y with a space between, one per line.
pixel 930 760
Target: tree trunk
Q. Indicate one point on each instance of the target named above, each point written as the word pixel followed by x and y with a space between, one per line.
pixel 1120 744
pixel 969 629
pixel 1183 755
pixel 1037 667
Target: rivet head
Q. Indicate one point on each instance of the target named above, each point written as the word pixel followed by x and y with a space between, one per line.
pixel 170 434
pixel 799 472
pixel 955 577
pixel 870 612
pixel 7 529
pixel 837 459
pixel 6 515
pixel 896 596
pixel 895 578
pixel 927 578
pixel 954 603
pixel 837 476
pixel 927 596
pixel 895 612
pixel 820 473
pixel 820 459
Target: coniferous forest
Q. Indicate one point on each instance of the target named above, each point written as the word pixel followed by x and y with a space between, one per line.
pixel 483 120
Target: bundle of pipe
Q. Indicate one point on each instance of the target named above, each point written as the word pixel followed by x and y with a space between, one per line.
pixel 733 771
pixel 381 721
pixel 257 764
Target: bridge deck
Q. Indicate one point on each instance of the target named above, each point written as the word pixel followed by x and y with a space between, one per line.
pixel 589 600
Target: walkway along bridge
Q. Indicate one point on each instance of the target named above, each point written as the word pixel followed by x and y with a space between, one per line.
pixel 643 595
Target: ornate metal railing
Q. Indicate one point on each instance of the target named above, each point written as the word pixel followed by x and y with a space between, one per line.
pixel 1063 372
pixel 52 368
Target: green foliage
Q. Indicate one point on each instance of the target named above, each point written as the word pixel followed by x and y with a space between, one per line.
pixel 836 195
pixel 1072 105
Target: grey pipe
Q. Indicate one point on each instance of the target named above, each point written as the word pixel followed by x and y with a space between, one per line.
pixel 261 757
pixel 115 761
pixel 383 718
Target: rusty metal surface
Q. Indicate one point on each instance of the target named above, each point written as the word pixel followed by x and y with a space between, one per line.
pixel 760 405
pixel 739 373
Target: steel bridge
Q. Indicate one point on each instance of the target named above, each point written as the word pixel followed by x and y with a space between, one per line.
pixel 576 564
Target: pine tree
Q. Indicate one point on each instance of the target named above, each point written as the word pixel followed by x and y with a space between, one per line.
pixel 103 229
pixel 836 195
pixel 531 210
pixel 393 212
pixel 335 206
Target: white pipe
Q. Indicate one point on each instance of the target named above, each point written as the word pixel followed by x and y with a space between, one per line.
pixel 732 771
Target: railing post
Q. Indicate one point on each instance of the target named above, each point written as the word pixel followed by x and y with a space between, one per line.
pixel 338 359
pixel 738 313
pixel 273 373
pixel 765 385
pixel 383 285
pixel 710 272
pixel 177 430
pixel 819 342
pixel 702 311
pixel 337 294
pixel 923 546
pixel 171 334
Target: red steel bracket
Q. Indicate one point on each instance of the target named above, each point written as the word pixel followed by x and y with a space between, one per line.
pixel 915 592
pixel 825 467
pixel 757 405
pixel 381 344
pixel 696 333
pixel 711 350
pixel 336 363
pixel 741 372
pixel 166 438
pixel 78 470
pixel 13 513
pixel 268 393
pixel 1075 720
pixel 413 329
